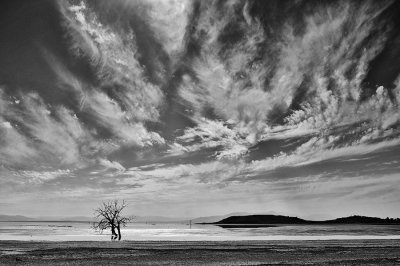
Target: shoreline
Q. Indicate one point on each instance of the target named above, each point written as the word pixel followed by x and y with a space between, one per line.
pixel 314 252
pixel 270 238
pixel 201 242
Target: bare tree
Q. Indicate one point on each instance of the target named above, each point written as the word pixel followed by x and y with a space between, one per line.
pixel 109 217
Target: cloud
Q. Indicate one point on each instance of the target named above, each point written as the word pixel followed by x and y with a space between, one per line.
pixel 94 120
pixel 39 177
pixel 269 105
pixel 208 172
pixel 49 134
pixel 134 100
pixel 235 94
pixel 111 165
pixel 116 63
pixel 169 20
pixel 16 150
pixel 6 125
pixel 109 114
pixel 314 157
pixel 304 88
pixel 212 134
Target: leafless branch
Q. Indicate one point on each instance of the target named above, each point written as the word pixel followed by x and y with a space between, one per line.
pixel 110 216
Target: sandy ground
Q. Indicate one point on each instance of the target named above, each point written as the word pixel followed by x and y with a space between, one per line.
pixel 334 252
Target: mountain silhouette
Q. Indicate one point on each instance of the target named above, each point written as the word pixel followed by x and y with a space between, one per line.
pixel 280 219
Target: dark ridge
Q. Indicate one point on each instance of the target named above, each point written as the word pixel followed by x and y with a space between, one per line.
pixel 280 219
pixel 262 219
pixel 356 219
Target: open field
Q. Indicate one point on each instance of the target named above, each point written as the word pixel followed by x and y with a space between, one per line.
pixel 333 252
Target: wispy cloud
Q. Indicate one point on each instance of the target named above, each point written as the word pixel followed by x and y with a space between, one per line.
pixel 275 105
pixel 235 85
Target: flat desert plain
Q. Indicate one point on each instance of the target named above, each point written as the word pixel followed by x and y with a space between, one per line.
pixel 327 252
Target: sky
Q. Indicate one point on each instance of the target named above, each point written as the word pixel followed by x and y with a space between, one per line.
pixel 196 108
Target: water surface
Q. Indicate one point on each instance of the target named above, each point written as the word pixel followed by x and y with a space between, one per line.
pixel 81 231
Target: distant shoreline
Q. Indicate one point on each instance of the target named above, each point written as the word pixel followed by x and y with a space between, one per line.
pixel 277 225
pixel 40 221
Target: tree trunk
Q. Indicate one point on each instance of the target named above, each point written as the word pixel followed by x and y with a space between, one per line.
pixel 119 231
pixel 113 234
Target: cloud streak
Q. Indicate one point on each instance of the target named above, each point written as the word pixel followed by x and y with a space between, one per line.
pixel 147 96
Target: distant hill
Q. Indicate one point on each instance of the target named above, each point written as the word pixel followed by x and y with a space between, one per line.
pixel 216 218
pixel 262 219
pixel 15 218
pixel 21 218
pixel 356 219
pixel 280 219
